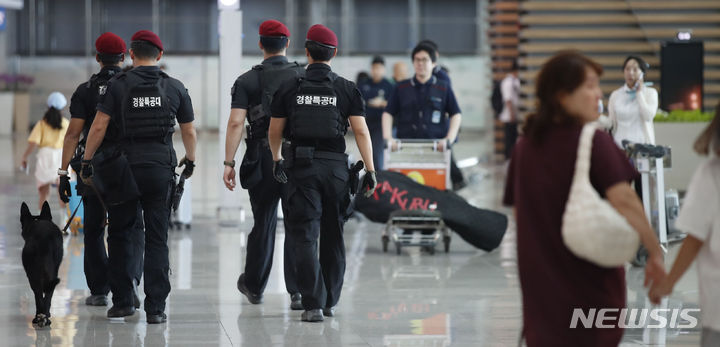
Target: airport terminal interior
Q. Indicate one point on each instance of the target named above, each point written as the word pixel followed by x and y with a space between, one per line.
pixel 412 295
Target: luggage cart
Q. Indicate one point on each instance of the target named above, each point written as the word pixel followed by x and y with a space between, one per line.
pixel 423 162
pixel 416 228
pixel 652 161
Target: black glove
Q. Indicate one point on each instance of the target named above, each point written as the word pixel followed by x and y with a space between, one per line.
pixel 369 183
pixel 85 170
pixel 189 167
pixel 279 171
pixel 64 188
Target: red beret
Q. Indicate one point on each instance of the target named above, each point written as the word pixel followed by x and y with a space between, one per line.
pixel 321 34
pixel 273 28
pixel 149 36
pixel 109 43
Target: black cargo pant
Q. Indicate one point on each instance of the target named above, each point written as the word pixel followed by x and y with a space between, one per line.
pixel 155 184
pixel 511 134
pixel 264 198
pixel 318 201
pixel 96 259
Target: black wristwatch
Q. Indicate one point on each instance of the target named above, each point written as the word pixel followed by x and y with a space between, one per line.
pixel 229 163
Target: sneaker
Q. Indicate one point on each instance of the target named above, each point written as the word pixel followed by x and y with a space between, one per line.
pixel 136 298
pixel 329 311
pixel 157 318
pixel 253 298
pixel 296 302
pixel 96 300
pixel 315 315
pixel 118 312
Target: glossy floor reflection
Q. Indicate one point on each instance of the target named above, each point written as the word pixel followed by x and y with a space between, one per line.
pixel 464 298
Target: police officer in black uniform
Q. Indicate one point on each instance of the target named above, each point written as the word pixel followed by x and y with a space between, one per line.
pixel 110 55
pixel 424 107
pixel 251 96
pixel 312 113
pixel 143 104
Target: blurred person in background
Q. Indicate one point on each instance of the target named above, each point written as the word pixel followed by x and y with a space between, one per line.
pixel 633 106
pixel 376 91
pixel 362 77
pixel 699 218
pixel 47 135
pixel 553 280
pixel 400 72
pixel 510 91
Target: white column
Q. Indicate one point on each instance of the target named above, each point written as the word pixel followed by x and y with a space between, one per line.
pixel 414 21
pixel 230 211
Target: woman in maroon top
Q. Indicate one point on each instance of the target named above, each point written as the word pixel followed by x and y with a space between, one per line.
pixel 553 280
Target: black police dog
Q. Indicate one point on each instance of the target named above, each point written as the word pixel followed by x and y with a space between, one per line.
pixel 41 257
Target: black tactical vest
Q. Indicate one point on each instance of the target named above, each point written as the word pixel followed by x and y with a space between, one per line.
pixel 146 113
pixel 315 112
pixel 271 77
pixel 96 88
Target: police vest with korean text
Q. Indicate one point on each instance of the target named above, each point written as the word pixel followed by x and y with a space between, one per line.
pixel 270 77
pixel 146 113
pixel 315 112
pixel 422 119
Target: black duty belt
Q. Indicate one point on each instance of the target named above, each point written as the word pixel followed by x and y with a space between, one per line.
pixel 262 141
pixel 330 156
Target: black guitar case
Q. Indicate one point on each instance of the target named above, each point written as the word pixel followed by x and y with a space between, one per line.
pixel 481 228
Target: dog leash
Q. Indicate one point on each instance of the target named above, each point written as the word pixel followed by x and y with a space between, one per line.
pixel 67 225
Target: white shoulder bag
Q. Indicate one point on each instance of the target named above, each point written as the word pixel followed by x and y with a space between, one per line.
pixel 592 229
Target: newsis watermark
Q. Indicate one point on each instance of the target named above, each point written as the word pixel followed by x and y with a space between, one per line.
pixel 634 318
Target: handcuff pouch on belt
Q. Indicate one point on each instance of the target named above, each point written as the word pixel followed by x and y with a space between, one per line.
pixel 303 156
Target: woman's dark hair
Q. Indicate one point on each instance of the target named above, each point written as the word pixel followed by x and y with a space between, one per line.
pixel 273 44
pixel 110 59
pixel 710 136
pixel 427 48
pixel 319 52
pixel 563 73
pixel 53 117
pixel 144 50
pixel 641 62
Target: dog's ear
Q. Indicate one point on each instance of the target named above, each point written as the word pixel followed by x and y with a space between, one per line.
pixel 45 212
pixel 24 213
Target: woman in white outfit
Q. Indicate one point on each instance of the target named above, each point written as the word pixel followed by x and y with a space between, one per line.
pixel 699 218
pixel 633 106
pixel 47 136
